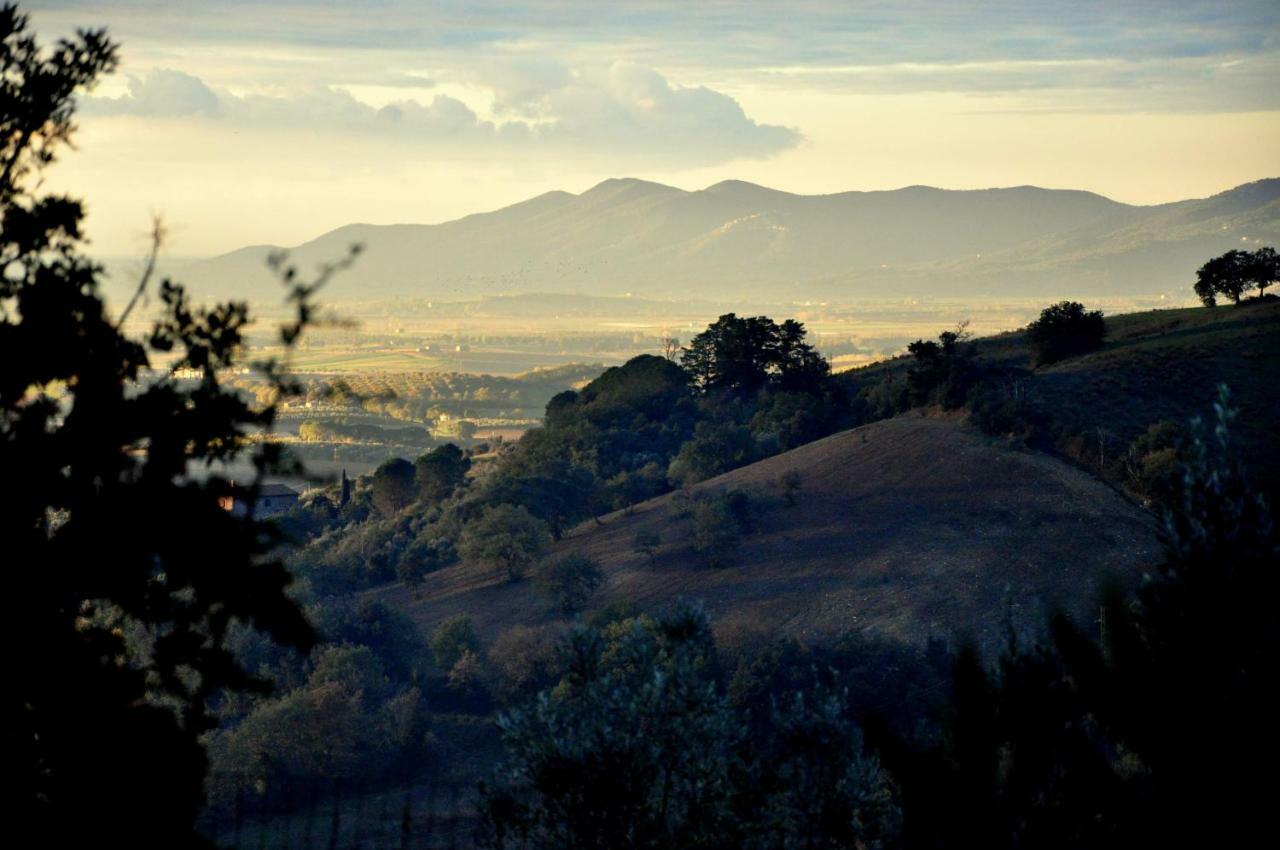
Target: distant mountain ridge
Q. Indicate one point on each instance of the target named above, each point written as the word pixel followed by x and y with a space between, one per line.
pixel 740 240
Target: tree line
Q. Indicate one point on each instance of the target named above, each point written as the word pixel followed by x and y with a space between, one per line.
pixel 1235 273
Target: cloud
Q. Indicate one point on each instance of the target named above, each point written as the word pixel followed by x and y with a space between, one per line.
pixel 163 92
pixel 621 109
pixel 1089 84
pixel 630 105
pixel 1140 56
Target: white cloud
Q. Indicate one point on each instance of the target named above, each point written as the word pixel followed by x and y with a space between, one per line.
pixel 162 93
pixel 624 109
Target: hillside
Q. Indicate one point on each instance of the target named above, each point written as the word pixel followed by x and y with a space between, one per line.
pixel 1154 366
pixel 738 240
pixel 907 528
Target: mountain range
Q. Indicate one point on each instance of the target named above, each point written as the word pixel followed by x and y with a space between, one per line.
pixel 737 240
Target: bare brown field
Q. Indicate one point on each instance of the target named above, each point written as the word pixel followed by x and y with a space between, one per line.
pixel 907 528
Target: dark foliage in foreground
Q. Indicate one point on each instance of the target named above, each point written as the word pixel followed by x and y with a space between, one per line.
pixel 127 572
pixel 1143 734
pixel 637 746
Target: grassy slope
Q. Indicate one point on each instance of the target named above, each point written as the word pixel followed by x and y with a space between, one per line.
pixel 913 526
pixel 1166 365
pixel 1157 365
pixel 909 527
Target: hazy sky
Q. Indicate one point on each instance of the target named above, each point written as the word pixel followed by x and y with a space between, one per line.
pixel 272 122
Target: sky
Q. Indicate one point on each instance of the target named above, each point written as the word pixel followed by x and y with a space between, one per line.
pixel 243 123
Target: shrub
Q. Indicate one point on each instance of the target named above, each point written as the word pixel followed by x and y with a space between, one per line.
pixel 716 447
pixel 523 660
pixel 426 554
pixel 942 372
pixel 452 639
pixel 1152 463
pixel 1005 409
pixel 568 582
pixel 1065 330
pixel 466 676
pixel 716 530
pixel 636 746
pixel 506 537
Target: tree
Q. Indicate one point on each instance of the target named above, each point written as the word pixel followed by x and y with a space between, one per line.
pixel 1263 268
pixel 742 355
pixel 631 749
pixel 506 537
pixel 717 531
pixel 942 371
pixel 129 572
pixel 637 747
pixel 452 639
pixel 1229 274
pixel 558 498
pixel 428 552
pixel 525 659
pixel 786 419
pixel 440 471
pixel 568 582
pixel 716 447
pixel 670 348
pixel 1066 329
pixel 393 486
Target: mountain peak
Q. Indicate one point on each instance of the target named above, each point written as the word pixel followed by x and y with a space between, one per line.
pixel 1259 191
pixel 743 189
pixel 629 185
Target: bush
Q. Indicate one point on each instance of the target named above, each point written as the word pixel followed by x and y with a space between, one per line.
pixel 506 537
pixel 716 530
pixel 716 447
pixel 942 372
pixel 637 747
pixel 523 660
pixel 1066 330
pixel 451 640
pixel 466 676
pixel 568 582
pixel 426 554
pixel 1006 410
pixel 1153 462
